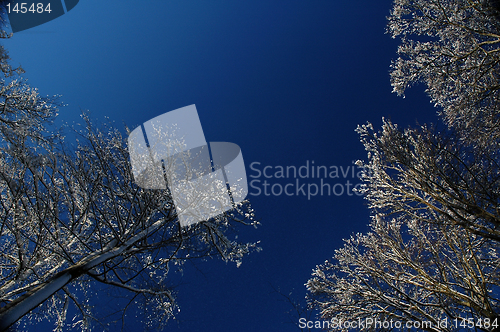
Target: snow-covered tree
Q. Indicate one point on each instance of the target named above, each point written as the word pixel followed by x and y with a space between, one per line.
pixel 453 46
pixel 74 224
pixel 433 252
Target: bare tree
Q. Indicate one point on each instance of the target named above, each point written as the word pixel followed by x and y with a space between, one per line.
pixel 74 219
pixel 453 47
pixel 298 312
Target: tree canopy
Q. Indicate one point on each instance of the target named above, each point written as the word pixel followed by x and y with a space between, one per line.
pixel 73 222
pixel 452 46
pixel 433 249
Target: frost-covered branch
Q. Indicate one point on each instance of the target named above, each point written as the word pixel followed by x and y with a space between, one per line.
pixel 452 46
pixel 73 221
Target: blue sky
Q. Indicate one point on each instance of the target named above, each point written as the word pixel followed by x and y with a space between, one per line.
pixel 288 81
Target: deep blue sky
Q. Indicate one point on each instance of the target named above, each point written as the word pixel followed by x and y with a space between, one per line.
pixel 286 80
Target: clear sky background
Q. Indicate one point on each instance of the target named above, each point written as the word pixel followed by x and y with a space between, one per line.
pixel 286 80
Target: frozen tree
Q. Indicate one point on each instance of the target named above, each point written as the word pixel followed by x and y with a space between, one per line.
pixel 453 46
pixel 433 251
pixel 404 272
pixel 73 223
pixel 419 173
